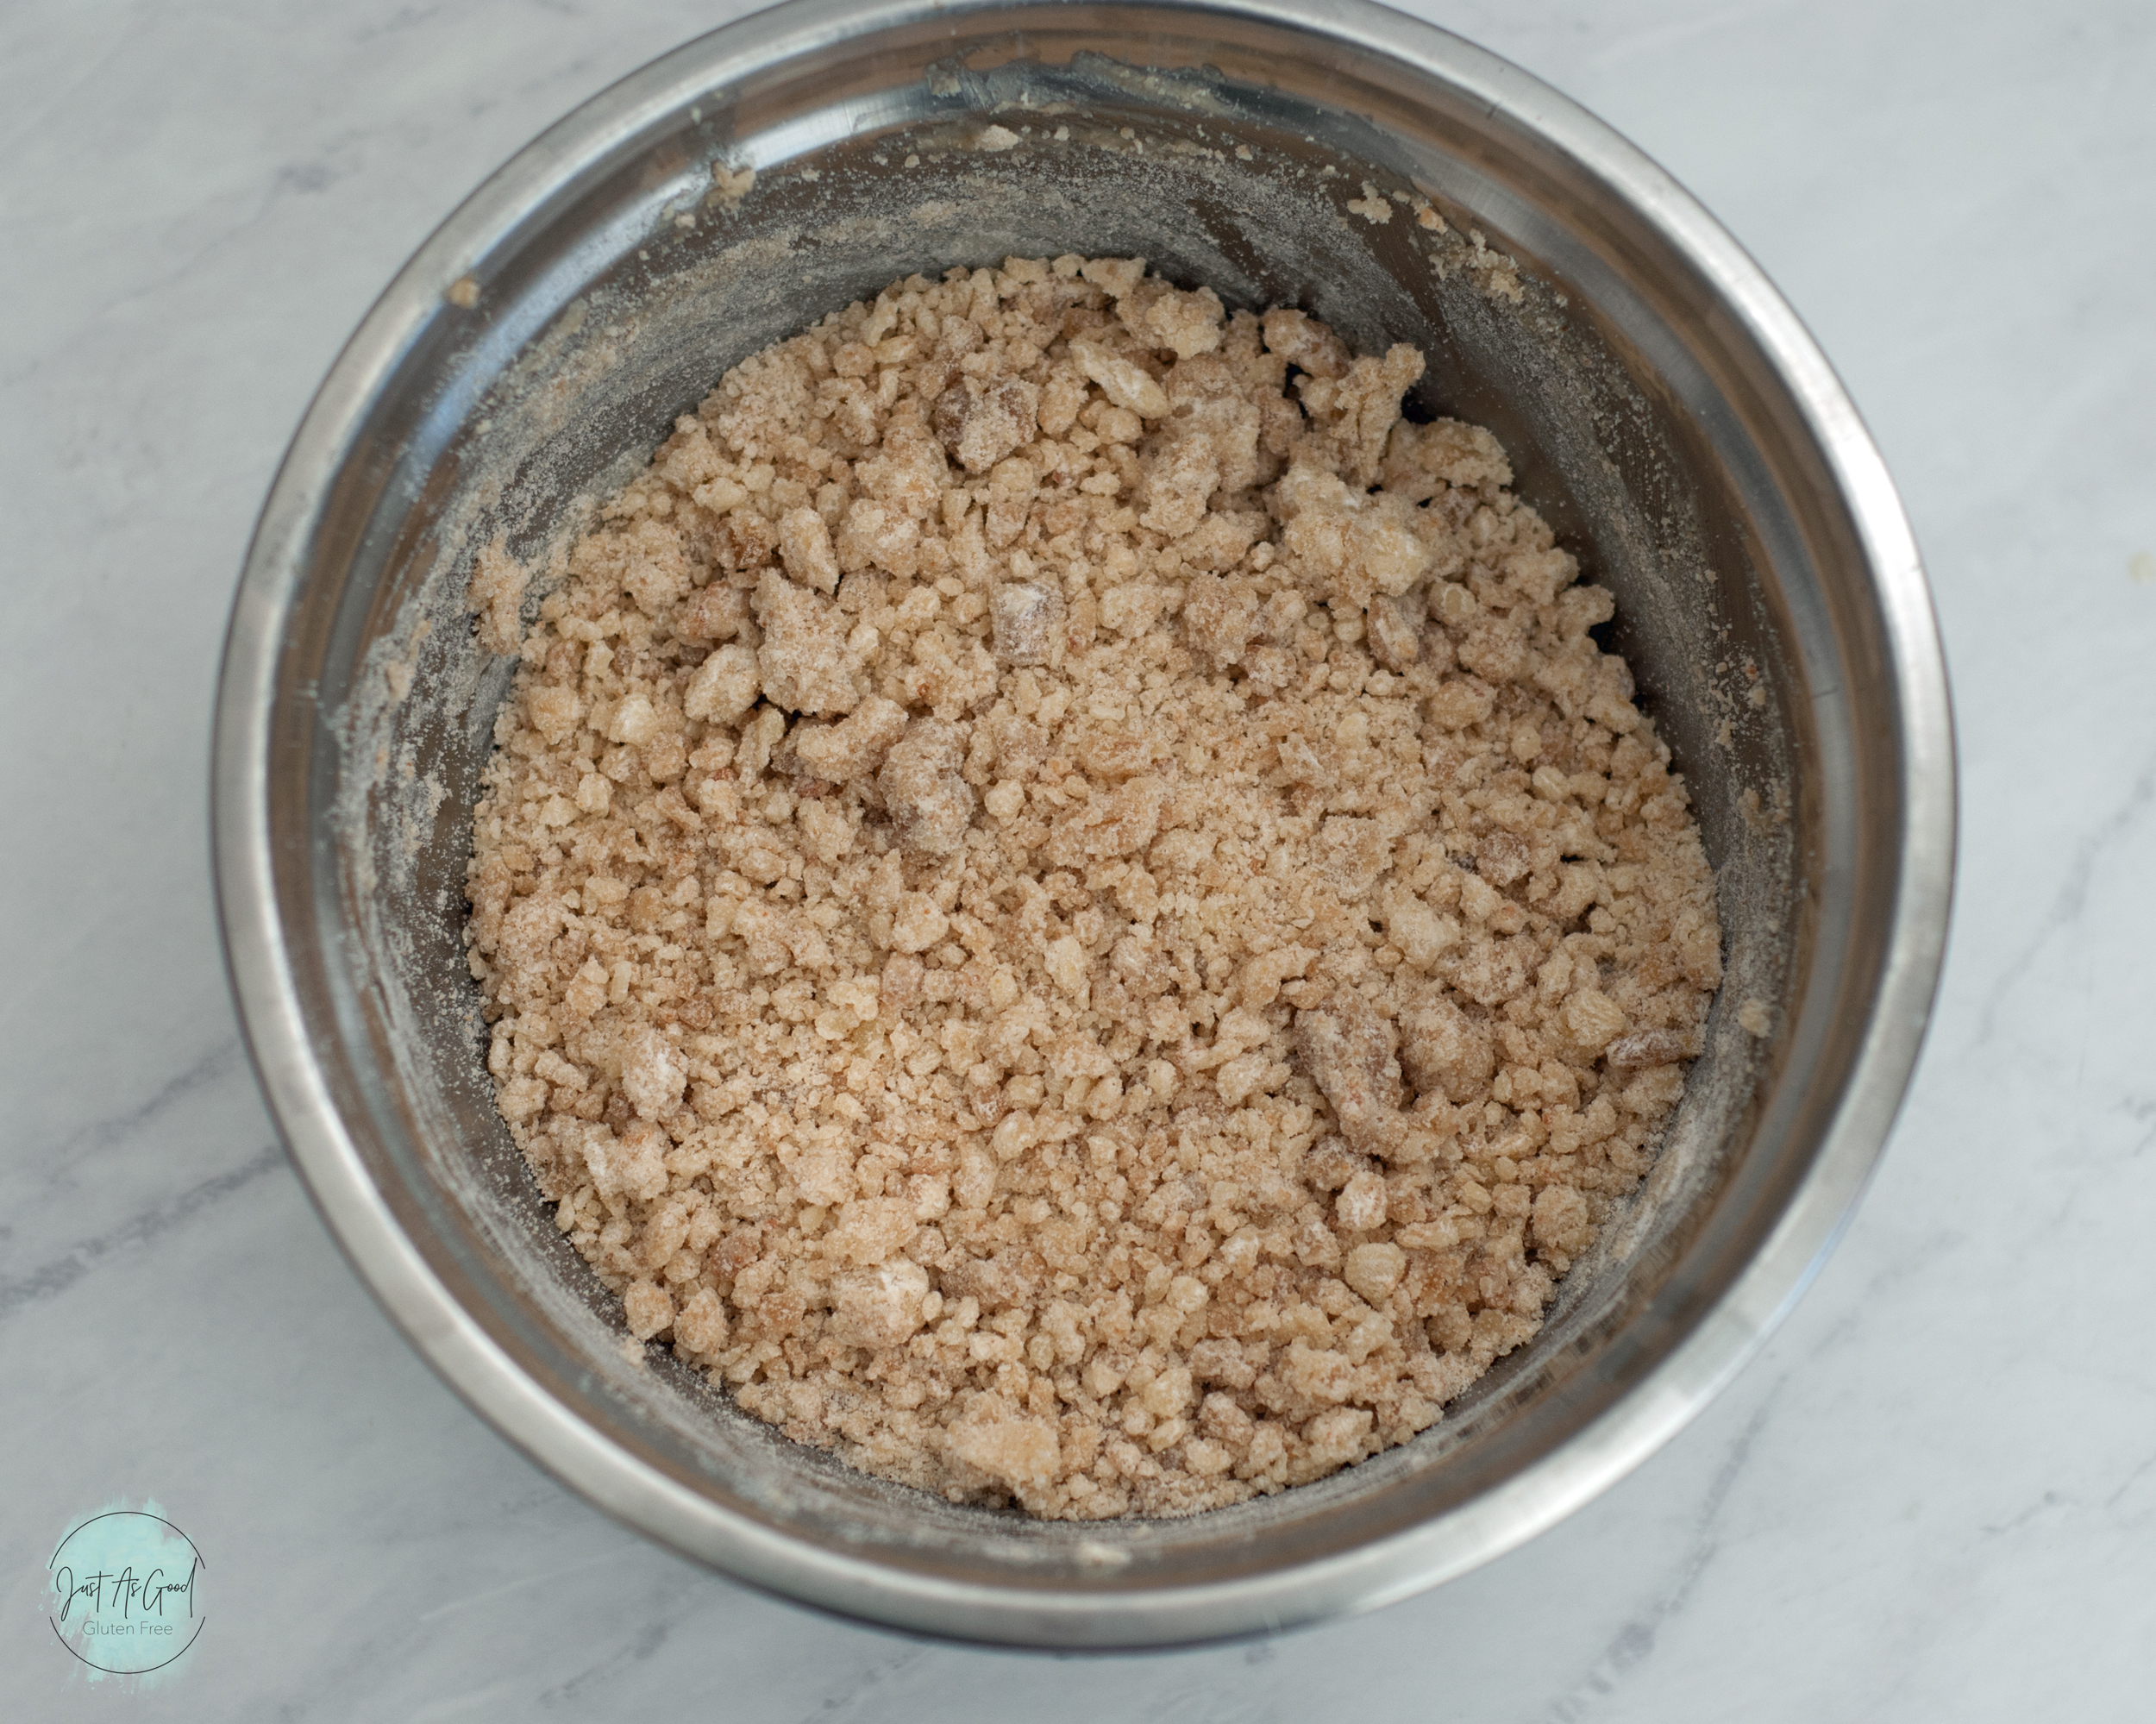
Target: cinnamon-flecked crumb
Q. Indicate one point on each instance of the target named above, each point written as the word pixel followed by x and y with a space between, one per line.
pixel 1069 908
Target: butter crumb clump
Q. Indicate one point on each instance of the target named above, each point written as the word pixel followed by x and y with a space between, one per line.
pixel 1069 906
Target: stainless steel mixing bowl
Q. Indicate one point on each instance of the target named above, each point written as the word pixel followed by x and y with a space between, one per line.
pixel 1664 409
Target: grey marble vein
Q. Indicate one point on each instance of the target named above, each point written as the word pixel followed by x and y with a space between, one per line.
pixel 2071 901
pixel 100 1133
pixel 1634 1643
pixel 51 1279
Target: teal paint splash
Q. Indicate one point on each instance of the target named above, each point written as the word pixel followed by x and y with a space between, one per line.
pixel 125 1595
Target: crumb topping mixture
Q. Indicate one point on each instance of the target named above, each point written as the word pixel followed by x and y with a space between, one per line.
pixel 1068 903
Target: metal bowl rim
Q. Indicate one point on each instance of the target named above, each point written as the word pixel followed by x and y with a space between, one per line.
pixel 467 1357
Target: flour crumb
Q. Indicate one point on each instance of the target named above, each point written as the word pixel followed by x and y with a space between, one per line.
pixel 1370 206
pixel 729 185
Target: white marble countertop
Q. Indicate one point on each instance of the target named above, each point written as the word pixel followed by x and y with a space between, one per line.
pixel 1934 1496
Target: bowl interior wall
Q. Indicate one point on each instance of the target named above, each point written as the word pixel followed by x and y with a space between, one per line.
pixel 1648 436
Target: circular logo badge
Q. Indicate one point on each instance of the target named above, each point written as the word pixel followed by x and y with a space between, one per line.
pixel 126 1591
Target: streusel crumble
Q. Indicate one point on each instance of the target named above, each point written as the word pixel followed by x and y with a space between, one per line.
pixel 1068 905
